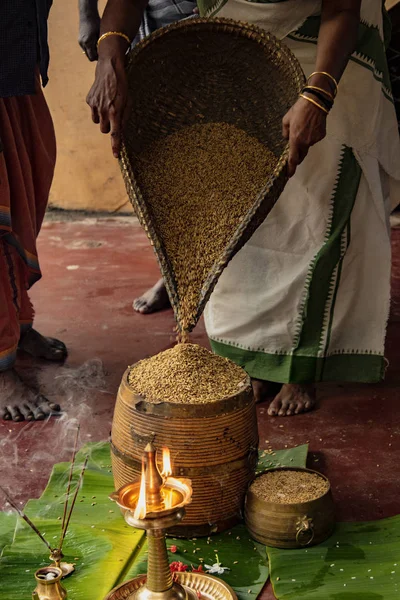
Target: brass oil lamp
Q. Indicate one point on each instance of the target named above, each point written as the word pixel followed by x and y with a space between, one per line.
pixel 157 503
pixel 48 584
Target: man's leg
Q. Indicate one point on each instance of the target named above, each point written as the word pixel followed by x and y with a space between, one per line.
pixel 154 300
pixel 31 341
pixel 285 399
pixel 18 401
pixel 293 399
pixel 9 322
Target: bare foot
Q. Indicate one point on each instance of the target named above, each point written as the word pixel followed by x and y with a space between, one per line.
pixel 293 400
pixel 39 346
pixel 264 390
pixel 19 402
pixel 154 300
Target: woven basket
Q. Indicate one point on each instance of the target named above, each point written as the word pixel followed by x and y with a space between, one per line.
pixel 202 71
pixel 214 445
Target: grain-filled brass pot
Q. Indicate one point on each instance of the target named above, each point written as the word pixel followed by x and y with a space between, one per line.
pixel 296 525
pixel 213 444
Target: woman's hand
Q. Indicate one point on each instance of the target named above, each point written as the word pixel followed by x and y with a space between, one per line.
pixel 304 125
pixel 89 33
pixel 108 98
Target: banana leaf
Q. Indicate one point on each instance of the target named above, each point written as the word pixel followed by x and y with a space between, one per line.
pixel 361 561
pixel 7 527
pixel 98 540
pixel 292 457
pixel 105 550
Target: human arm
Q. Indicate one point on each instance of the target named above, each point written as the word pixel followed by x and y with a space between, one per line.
pixel 89 27
pixel 108 96
pixel 305 124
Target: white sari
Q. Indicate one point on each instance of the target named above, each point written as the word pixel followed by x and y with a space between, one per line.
pixel 307 299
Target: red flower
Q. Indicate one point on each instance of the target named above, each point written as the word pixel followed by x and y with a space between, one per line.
pixel 198 570
pixel 178 567
pixel 173 549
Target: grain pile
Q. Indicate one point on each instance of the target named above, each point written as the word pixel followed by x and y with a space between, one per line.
pixel 186 374
pixel 289 487
pixel 199 183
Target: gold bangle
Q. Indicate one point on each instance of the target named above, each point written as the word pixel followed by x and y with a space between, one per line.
pixel 327 94
pixel 315 103
pixel 108 33
pixel 335 83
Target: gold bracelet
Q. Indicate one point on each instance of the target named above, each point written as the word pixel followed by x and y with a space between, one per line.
pixel 335 83
pixel 315 103
pixel 327 94
pixel 108 33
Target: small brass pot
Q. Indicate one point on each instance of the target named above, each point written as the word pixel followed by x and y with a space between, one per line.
pixel 49 589
pixel 290 525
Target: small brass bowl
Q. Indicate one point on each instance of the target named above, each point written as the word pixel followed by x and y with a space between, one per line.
pixel 296 525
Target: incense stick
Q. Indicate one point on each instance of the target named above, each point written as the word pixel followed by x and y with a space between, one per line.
pixel 66 519
pixel 25 518
pixel 71 471
pixel 64 531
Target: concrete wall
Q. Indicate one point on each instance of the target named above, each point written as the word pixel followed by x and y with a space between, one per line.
pixel 87 176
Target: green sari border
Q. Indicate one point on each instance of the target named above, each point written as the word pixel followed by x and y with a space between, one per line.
pixel 286 368
pixel 322 282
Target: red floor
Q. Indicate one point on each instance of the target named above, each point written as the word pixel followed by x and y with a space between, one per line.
pixel 92 271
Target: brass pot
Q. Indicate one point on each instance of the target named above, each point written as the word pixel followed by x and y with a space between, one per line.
pixel 49 589
pixel 214 445
pixel 290 525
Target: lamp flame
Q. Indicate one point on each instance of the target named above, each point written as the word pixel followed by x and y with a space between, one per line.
pixel 166 463
pixel 141 507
